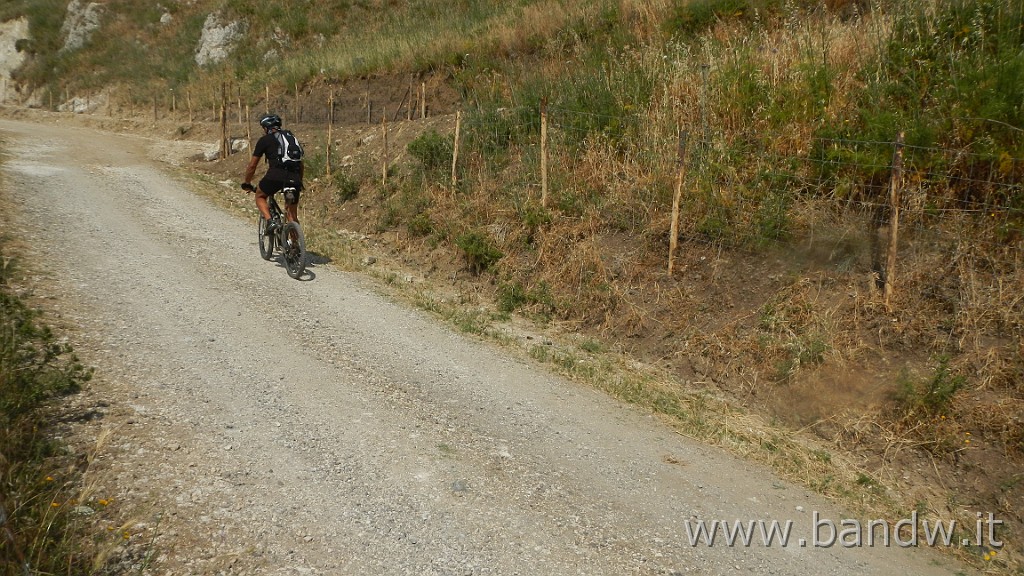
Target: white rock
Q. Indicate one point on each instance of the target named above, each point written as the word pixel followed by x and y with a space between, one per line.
pixel 10 58
pixel 81 21
pixel 80 105
pixel 218 40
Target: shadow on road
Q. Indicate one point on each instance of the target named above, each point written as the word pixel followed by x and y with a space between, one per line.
pixel 313 260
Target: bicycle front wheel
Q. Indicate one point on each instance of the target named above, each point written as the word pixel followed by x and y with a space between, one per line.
pixel 266 240
pixel 294 250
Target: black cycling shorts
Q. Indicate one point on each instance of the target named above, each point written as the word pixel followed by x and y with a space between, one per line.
pixel 271 187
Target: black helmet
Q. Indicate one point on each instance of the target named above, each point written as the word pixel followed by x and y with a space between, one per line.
pixel 269 121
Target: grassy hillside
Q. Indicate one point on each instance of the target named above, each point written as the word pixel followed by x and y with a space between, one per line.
pixel 845 68
pixel 774 125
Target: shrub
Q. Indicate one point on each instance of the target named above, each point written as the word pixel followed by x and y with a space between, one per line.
pixel 961 61
pixel 480 252
pixel 513 296
pixel 346 187
pixel 492 131
pixel 433 150
pixel 932 397
pixel 691 18
pixel 772 219
pixel 421 225
pixel 534 217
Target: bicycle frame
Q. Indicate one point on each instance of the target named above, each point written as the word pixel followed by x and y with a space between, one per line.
pixel 286 239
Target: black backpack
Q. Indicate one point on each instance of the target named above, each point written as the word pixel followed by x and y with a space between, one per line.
pixel 289 150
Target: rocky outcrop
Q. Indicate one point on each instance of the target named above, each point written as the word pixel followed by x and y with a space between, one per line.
pixel 218 40
pixel 13 37
pixel 81 21
pixel 84 105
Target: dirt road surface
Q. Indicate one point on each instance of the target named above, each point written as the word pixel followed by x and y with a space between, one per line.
pixel 248 423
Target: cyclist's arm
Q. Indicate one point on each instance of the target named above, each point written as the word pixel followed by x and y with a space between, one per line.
pixel 250 170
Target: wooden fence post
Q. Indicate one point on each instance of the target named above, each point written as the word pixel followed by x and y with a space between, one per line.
pixel 455 148
pixel 248 127
pixel 412 98
pixel 673 239
pixel 225 146
pixel 298 114
pixel 896 180
pixel 266 88
pixel 330 130
pixel 398 111
pixel 191 117
pixel 423 99
pixel 241 118
pixel 544 153
pixel 704 68
pixel 384 128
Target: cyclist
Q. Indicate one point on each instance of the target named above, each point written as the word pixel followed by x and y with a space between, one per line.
pixel 278 175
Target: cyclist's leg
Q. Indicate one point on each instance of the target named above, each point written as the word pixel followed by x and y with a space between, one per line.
pixel 261 203
pixel 291 209
pixel 264 190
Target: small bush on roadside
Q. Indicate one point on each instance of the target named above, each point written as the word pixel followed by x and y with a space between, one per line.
pixel 513 295
pixel 421 225
pixel 434 151
pixel 534 217
pixel 345 185
pixel 933 397
pixel 480 252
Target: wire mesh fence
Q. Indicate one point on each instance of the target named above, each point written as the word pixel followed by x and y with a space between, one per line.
pixel 632 170
pixel 847 195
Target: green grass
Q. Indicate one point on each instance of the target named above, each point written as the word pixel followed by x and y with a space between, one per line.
pixel 434 153
pixel 513 296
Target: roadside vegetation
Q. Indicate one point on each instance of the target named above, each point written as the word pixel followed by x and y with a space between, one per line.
pixel 38 479
pixel 781 121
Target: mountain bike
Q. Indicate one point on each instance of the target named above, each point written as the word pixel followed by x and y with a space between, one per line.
pixel 286 237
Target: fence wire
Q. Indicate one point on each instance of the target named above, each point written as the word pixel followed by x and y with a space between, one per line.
pixel 737 193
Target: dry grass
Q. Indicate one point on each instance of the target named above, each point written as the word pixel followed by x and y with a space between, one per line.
pixel 749 320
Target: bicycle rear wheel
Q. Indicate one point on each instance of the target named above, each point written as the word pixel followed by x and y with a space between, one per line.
pixel 266 240
pixel 294 250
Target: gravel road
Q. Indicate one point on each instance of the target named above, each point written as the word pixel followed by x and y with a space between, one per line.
pixel 254 424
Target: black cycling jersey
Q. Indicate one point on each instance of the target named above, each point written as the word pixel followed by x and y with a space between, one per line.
pixel 268 147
